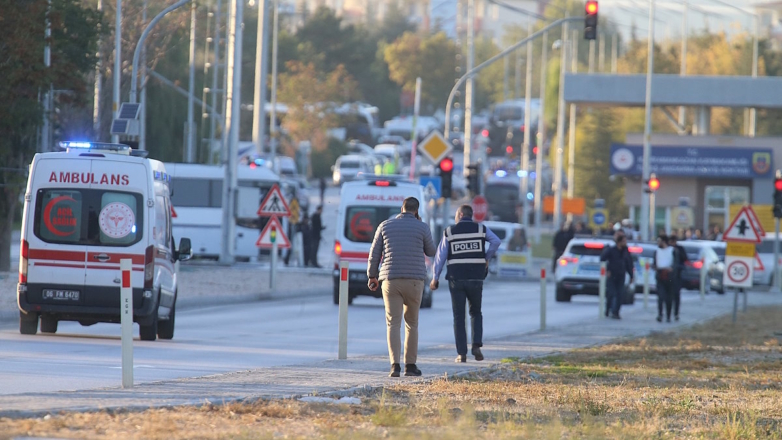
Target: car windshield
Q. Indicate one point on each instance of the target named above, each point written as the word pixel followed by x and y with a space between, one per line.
pixel 508 113
pixel 720 251
pixel 693 252
pixel 348 164
pixel 765 247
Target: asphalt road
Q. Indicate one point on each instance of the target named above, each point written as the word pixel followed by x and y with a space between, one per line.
pixel 252 335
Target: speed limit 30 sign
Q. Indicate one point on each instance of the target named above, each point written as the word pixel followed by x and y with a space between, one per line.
pixel 738 271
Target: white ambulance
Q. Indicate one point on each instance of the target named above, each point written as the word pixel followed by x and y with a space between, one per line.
pixel 85 209
pixel 364 204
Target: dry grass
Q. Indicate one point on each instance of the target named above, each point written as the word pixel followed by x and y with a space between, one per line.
pixel 712 381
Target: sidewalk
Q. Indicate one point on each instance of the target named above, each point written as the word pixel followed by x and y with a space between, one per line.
pixel 335 377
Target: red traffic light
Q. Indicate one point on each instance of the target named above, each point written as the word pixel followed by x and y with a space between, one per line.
pixel 591 7
pixel 778 184
pixel 654 184
pixel 509 149
pixel 446 164
pixel 534 150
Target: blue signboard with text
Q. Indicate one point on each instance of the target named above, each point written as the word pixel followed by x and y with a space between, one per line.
pixel 736 163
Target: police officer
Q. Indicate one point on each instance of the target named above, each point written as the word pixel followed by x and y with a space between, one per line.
pixel 463 247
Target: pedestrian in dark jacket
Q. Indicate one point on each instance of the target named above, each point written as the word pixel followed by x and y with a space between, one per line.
pixel 618 263
pixel 306 239
pixel 663 266
pixel 317 229
pixel 322 189
pixel 679 261
pixel 561 239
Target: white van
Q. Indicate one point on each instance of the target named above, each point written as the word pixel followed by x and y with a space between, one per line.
pixel 198 206
pixel 86 208
pixel 364 204
pixel 350 167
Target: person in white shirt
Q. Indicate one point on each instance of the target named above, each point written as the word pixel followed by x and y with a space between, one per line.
pixel 663 265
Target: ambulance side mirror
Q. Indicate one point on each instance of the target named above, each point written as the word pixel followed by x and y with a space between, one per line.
pixel 185 252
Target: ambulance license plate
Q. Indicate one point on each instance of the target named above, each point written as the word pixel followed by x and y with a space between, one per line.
pixel 64 295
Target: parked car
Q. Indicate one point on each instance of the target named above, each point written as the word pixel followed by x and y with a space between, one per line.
pixel 700 253
pixel 765 276
pixel 643 252
pixel 502 194
pixel 578 270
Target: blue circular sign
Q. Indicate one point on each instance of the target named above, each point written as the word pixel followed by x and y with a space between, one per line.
pixel 599 218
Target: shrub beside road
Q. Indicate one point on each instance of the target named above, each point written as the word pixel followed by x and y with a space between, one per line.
pixel 713 380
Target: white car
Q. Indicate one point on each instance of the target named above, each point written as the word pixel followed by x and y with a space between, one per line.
pixel 765 250
pixel 578 270
pixel 349 167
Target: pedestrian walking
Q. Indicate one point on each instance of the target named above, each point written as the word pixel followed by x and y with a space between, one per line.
pixel 561 239
pixel 463 248
pixel 322 182
pixel 402 243
pixel 679 261
pixel 663 266
pixel 618 263
pixel 316 231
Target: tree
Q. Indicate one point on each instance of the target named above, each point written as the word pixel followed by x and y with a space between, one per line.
pixel 430 57
pixel 73 43
pixel 307 92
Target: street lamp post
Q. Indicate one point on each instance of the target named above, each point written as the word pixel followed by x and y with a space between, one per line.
pixel 117 72
pixel 646 228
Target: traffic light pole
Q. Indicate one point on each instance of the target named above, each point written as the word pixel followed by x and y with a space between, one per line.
pixel 509 50
pixel 647 149
pixel 775 275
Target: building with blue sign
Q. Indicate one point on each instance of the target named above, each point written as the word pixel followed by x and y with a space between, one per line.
pixel 710 172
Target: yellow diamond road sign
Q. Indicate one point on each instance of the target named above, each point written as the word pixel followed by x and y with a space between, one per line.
pixel 435 147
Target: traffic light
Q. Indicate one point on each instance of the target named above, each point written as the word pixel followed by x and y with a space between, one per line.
pixel 474 179
pixel 653 184
pixel 778 196
pixel 590 21
pixel 446 174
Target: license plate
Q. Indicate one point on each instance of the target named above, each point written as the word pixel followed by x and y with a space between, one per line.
pixel 589 269
pixel 62 295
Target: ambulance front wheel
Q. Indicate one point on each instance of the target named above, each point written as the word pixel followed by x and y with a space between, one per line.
pixel 28 323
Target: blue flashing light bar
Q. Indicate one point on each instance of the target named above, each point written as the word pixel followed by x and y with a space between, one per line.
pixel 75 144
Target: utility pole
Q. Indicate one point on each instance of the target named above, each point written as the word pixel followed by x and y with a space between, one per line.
pixel 541 139
pixel 261 67
pixel 233 101
pixel 142 136
pixel 98 84
pixel 117 72
pixel 560 130
pixel 505 78
pixel 273 119
pixel 215 79
pixel 524 220
pixel 468 87
pixel 46 137
pixel 591 55
pixel 647 150
pixel 571 152
pixel 517 90
pixel 614 52
pixel 753 111
pixel 683 67
pixel 190 154
pixel 601 57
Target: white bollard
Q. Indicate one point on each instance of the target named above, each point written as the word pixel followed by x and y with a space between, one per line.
pixel 703 279
pixel 646 283
pixel 602 290
pixel 273 269
pixel 542 299
pixel 343 309
pixel 126 321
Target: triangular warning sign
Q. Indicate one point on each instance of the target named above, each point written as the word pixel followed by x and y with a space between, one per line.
pixel 265 240
pixel 758 263
pixel 755 221
pixel 742 228
pixel 274 204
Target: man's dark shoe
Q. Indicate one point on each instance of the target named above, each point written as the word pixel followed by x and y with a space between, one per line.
pixel 461 358
pixel 676 317
pixel 660 318
pixel 476 351
pixel 615 316
pixel 412 370
pixel 395 370
pixel 668 319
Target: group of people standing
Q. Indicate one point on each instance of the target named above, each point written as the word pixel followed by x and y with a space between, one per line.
pixel 669 261
pixel 402 243
pixel 311 229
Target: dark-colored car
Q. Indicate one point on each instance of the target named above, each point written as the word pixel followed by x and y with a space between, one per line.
pixel 506 130
pixel 700 253
pixel 502 194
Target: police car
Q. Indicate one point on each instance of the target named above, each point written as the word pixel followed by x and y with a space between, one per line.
pixel 364 204
pixel 578 270
pixel 85 209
